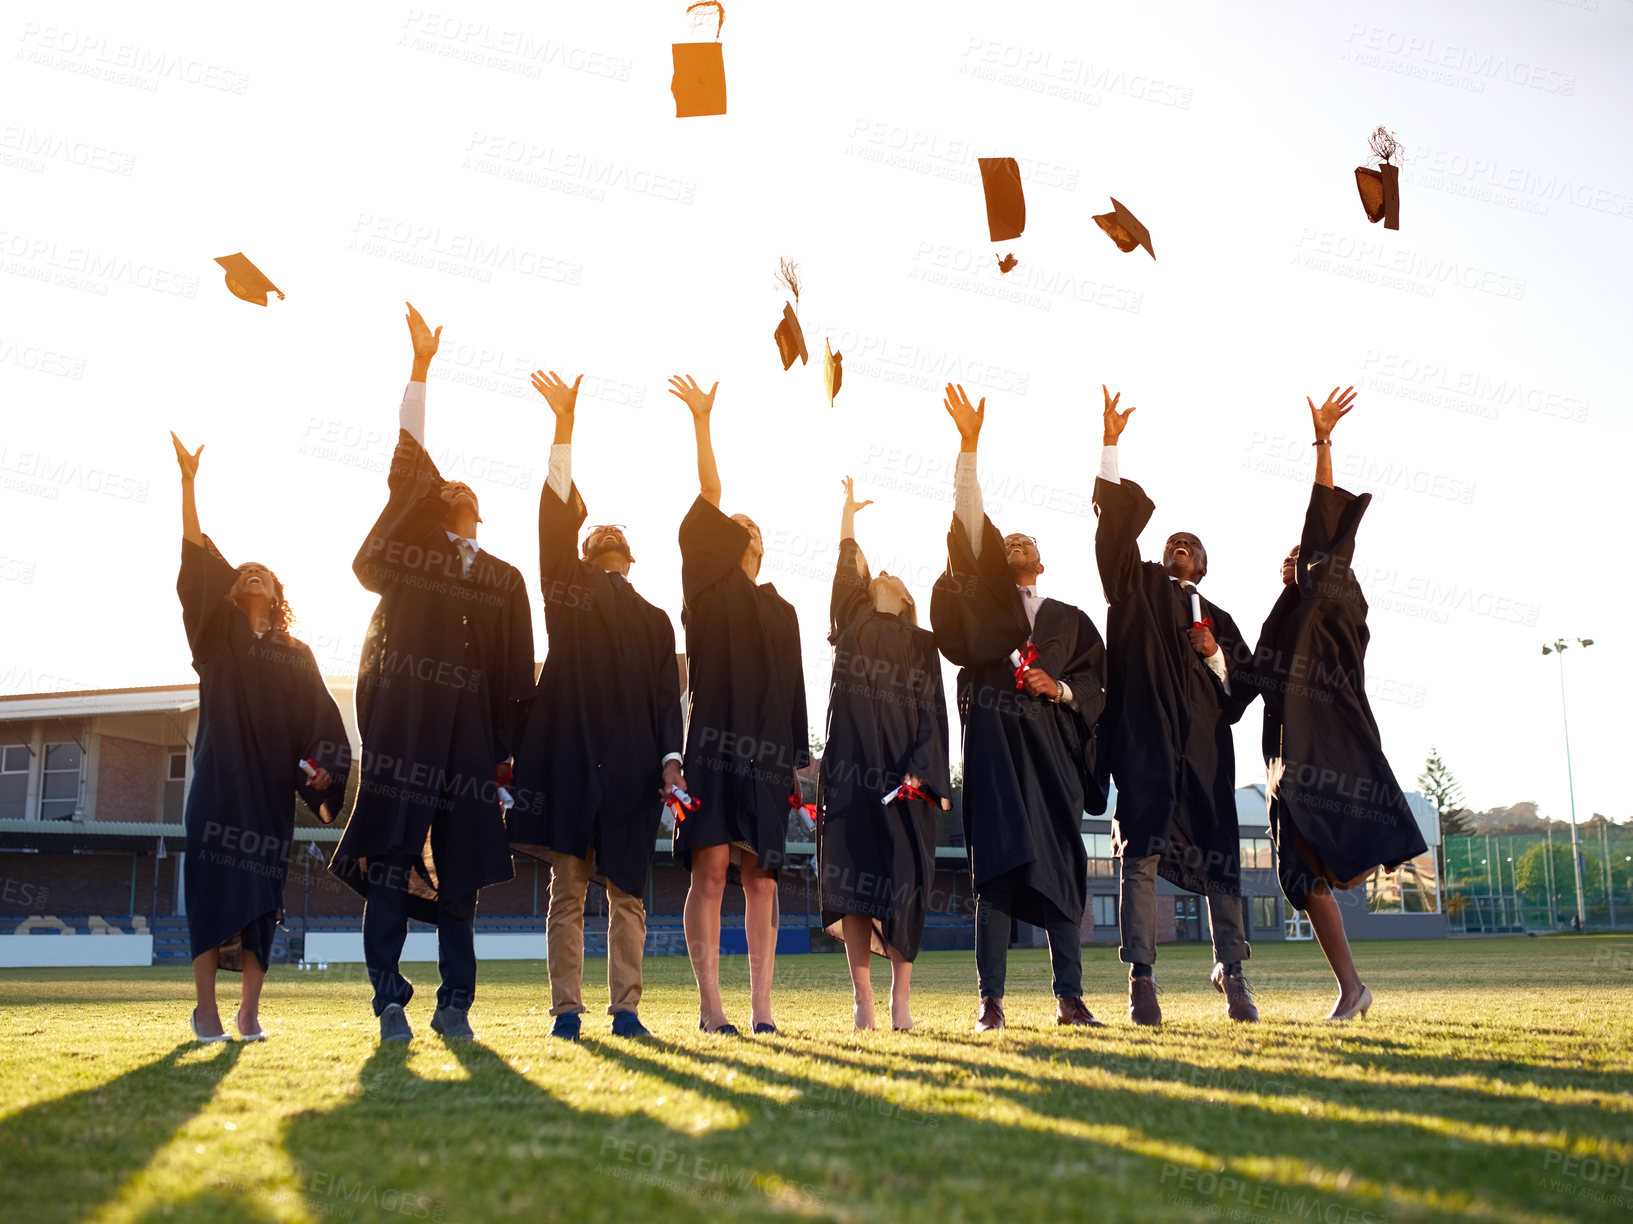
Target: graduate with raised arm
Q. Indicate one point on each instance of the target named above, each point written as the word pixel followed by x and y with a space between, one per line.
pixel 602 740
pixel 746 731
pixel 268 730
pixel 1336 811
pixel 1170 707
pixel 884 774
pixel 1031 686
pixel 446 668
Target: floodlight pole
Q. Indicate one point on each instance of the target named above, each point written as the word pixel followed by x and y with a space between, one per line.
pixel 1558 648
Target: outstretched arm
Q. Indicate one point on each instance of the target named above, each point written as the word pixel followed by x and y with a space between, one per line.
pixel 1324 418
pixel 701 403
pixel 967 504
pixel 563 401
pixel 1114 424
pixel 412 414
pixel 189 506
pixel 847 521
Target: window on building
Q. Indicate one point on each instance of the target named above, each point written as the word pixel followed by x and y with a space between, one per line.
pixel 1410 890
pixel 1101 863
pixel 175 786
pixel 1188 919
pixel 1265 913
pixel 14 759
pixel 1105 911
pixel 59 781
pixel 1255 852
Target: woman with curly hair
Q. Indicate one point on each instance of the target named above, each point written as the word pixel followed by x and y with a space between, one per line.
pixel 268 730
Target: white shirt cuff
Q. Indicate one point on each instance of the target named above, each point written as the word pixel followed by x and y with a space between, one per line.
pixel 411 416
pixel 560 478
pixel 1108 465
pixel 673 756
pixel 1066 698
pixel 1216 661
pixel 967 503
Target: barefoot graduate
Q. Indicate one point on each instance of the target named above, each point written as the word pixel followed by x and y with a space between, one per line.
pixel 447 665
pixel 1031 685
pixel 1336 811
pixel 1171 704
pixel 746 730
pixel 268 730
pixel 884 774
pixel 602 739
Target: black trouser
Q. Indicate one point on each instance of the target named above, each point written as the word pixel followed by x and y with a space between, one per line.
pixel 385 927
pixel 992 926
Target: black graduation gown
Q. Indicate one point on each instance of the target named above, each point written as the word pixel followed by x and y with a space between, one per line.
pixel 262 708
pixel 746 730
pixel 1029 770
pixel 589 763
pixel 1328 776
pixel 446 668
pixel 887 718
pixel 1168 718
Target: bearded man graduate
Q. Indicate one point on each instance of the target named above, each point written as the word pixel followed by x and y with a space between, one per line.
pixel 446 669
pixel 1031 685
pixel 602 740
pixel 1170 708
pixel 1336 811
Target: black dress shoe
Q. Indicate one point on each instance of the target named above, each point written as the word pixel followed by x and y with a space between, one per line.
pixel 725 1030
pixel 764 1027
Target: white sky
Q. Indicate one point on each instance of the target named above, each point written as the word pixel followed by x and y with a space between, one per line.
pixel 517 172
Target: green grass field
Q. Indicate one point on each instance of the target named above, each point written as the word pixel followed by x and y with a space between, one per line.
pixel 1493 1080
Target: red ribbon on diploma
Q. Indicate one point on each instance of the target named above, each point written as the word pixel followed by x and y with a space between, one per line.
pixel 1206 622
pixel 1023 660
pixel 502 773
pixel 682 803
pixel 904 791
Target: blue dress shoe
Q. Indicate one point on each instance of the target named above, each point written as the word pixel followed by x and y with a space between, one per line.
pixel 567 1025
pixel 628 1024
pixel 765 1028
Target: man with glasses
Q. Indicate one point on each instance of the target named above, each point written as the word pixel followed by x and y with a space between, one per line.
pixel 602 741
pixel 1031 685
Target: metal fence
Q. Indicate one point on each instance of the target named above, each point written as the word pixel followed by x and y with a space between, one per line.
pixel 1526 882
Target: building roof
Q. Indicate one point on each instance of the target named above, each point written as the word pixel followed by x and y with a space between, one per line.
pixel 90 703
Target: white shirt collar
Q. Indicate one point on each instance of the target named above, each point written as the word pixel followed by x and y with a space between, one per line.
pixel 454 536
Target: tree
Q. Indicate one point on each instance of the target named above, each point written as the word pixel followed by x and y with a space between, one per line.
pixel 1443 790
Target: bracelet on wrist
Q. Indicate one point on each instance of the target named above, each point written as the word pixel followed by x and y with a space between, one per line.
pixel 1322 442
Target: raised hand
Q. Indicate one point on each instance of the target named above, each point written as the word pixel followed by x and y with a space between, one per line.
pixel 969 418
pixel 1329 414
pixel 851 504
pixel 425 340
pixel 1115 422
pixel 686 390
pixel 187 461
pixel 561 398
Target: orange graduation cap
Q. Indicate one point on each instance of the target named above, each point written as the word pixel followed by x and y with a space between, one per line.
pixel 1380 189
pixel 1124 228
pixel 790 338
pixel 699 83
pixel 832 371
pixel 246 280
pixel 1006 202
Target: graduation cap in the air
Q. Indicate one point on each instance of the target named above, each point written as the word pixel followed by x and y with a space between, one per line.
pixel 699 83
pixel 1124 228
pixel 1380 189
pixel 790 338
pixel 833 372
pixel 1006 202
pixel 246 280
pixel 1006 263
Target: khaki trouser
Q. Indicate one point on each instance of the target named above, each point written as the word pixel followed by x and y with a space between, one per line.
pixel 564 934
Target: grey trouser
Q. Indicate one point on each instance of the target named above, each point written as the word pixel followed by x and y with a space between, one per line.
pixel 1137 916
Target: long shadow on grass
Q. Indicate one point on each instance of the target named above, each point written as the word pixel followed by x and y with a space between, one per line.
pixel 1396 1157
pixel 79 1149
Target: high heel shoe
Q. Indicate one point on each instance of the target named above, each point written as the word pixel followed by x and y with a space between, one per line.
pixel 192 1020
pixel 1358 1008
pixel 258 1035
